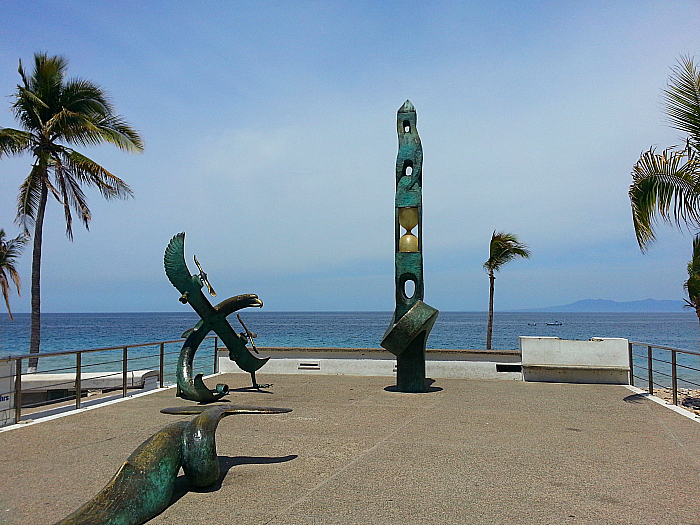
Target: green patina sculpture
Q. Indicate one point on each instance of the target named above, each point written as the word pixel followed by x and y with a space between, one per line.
pixel 143 486
pixel 213 318
pixel 413 319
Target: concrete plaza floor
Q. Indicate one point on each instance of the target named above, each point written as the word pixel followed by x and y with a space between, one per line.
pixel 351 452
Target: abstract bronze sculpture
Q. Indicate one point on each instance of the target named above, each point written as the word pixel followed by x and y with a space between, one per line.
pixel 213 318
pixel 413 319
pixel 143 486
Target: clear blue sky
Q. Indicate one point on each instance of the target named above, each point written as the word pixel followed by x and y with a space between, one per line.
pixel 270 139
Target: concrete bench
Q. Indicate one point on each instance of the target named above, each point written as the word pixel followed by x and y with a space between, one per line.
pixel 599 360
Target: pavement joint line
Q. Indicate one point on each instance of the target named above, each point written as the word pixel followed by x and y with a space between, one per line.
pixel 345 467
pixel 658 400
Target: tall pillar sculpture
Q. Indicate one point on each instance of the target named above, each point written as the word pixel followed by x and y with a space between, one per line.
pixel 413 319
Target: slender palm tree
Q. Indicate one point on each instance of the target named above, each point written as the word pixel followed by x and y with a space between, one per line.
pixel 504 247
pixel 9 251
pixel 692 285
pixel 667 184
pixel 55 113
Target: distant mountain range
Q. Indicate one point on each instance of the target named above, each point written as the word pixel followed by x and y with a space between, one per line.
pixel 605 305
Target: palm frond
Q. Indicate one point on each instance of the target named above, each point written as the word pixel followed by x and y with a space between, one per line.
pixel 9 252
pixel 5 289
pixel 40 98
pixel 29 197
pixel 85 98
pixel 664 185
pixel 69 126
pixel 82 96
pixel 504 247
pixel 60 192
pixel 117 131
pixel 11 249
pixel 694 264
pixel 27 108
pixel 692 285
pixel 91 173
pixel 72 197
pixel 14 141
pixel 22 75
pixel 692 288
pixel 682 99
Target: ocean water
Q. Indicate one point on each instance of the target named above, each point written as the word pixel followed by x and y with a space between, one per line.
pixel 348 329
pixel 62 332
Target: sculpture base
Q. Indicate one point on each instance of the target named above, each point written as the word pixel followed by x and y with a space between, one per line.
pixel 406 338
pixel 410 366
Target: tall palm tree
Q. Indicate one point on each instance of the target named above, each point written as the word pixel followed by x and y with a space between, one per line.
pixel 504 247
pixel 667 184
pixel 55 112
pixel 9 251
pixel 692 285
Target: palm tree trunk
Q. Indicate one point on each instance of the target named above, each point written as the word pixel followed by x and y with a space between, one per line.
pixel 35 332
pixel 490 325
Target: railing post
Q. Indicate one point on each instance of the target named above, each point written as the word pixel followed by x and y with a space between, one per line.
pixel 124 370
pixel 216 354
pixel 674 378
pixel 629 348
pixel 78 379
pixel 18 390
pixel 650 366
pixel 162 364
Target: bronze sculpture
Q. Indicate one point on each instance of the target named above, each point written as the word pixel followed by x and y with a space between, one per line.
pixel 143 485
pixel 413 319
pixel 213 318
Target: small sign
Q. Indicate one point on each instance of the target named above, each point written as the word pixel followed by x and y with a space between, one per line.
pixel 7 392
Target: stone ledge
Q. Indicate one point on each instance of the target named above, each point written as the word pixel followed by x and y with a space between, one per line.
pixel 465 364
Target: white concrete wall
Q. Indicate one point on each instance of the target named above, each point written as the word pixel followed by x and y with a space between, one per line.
pixel 435 369
pixel 600 360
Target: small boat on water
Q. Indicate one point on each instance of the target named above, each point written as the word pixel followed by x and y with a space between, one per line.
pixel 555 323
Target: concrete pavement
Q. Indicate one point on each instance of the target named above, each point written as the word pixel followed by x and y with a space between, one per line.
pixel 351 452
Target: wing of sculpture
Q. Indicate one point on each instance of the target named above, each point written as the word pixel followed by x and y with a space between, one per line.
pixel 176 267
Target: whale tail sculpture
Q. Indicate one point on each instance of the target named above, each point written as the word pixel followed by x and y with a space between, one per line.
pixel 143 486
pixel 212 318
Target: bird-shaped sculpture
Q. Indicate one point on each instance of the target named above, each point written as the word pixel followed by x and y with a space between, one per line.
pixel 213 318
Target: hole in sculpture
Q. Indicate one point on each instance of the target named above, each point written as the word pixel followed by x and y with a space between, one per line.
pixel 407 168
pixel 409 288
pixel 406 126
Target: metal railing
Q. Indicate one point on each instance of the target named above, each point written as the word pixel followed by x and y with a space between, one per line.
pixel 115 360
pixel 663 364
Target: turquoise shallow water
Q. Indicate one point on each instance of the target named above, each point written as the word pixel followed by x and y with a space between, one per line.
pixel 334 329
